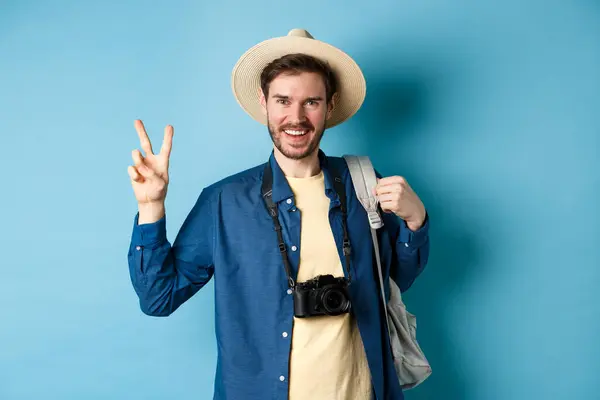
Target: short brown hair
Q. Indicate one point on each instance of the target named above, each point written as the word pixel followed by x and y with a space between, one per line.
pixel 294 64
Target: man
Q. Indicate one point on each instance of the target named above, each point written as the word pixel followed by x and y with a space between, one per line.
pixel 275 341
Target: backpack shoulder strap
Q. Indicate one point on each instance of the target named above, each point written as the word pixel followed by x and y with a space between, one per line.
pixel 364 180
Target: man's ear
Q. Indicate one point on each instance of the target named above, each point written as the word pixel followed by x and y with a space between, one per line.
pixel 263 101
pixel 331 105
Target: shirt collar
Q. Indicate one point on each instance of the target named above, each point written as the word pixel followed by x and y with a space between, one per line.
pixel 281 188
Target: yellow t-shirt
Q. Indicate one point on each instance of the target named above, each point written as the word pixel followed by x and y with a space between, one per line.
pixel 328 360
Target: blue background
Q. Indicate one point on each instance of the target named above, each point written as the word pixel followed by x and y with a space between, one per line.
pixel 489 110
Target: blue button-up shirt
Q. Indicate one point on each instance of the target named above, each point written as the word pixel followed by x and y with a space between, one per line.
pixel 229 236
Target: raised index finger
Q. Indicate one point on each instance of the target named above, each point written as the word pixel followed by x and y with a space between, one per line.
pixel 144 139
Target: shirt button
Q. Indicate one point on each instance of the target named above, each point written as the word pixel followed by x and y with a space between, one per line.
pixel 294 248
pixel 284 334
pixel 289 201
pixel 137 247
pixel 282 378
pixel 289 291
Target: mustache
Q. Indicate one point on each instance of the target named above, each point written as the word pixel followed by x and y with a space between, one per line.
pixel 302 125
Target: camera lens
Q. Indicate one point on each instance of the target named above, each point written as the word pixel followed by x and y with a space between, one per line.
pixel 334 301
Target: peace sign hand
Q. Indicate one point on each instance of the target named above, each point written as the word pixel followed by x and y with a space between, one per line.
pixel 150 173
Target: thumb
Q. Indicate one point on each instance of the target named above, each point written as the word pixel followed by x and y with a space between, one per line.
pixel 145 171
pixel 374 189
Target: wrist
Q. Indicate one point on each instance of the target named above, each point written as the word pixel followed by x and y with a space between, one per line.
pixel 150 212
pixel 414 224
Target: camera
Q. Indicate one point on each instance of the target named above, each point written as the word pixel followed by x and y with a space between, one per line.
pixel 322 295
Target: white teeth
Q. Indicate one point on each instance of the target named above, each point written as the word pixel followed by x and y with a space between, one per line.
pixel 295 133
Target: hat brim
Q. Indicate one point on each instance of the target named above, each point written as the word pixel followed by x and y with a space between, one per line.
pixel 245 77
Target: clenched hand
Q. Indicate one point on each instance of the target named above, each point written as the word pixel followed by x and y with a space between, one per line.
pixel 395 195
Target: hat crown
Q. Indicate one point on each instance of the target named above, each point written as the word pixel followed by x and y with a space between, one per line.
pixel 300 33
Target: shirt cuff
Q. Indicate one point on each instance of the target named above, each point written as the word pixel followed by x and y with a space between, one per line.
pixel 150 234
pixel 414 238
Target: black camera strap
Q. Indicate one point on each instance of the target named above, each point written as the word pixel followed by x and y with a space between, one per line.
pixel 340 189
pixel 267 193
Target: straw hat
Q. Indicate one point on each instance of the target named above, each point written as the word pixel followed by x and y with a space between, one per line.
pixel 245 77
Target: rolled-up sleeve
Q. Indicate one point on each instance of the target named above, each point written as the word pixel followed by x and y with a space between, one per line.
pixel 165 276
pixel 411 250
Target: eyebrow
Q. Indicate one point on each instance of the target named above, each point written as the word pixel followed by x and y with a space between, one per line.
pixel 312 98
pixel 315 98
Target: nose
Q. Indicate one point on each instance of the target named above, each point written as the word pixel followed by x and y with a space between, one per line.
pixel 297 114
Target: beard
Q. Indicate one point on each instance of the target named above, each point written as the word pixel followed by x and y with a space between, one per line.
pixel 302 151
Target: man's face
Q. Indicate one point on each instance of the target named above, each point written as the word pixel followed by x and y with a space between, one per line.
pixel 296 113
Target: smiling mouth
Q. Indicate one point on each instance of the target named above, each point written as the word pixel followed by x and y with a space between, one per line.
pixel 296 132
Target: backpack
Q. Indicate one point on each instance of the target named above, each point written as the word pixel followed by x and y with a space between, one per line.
pixel 412 367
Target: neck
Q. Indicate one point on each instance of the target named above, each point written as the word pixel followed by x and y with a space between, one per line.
pixel 303 168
